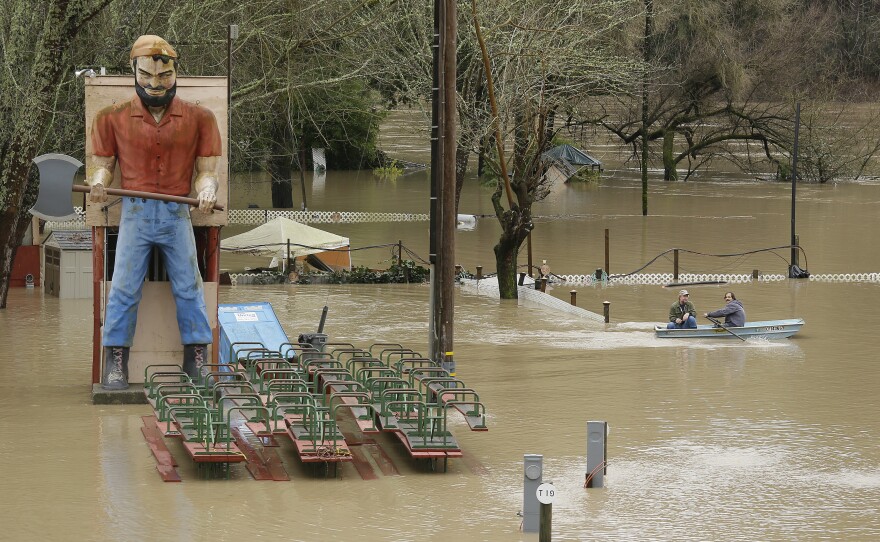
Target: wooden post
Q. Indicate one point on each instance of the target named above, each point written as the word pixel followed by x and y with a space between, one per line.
pixel 212 274
pixel 675 265
pixel 529 241
pixel 400 254
pixel 522 279
pixel 606 310
pixel 35 228
pixel 574 296
pixel 543 284
pixel 607 252
pixel 98 240
pixel 446 313
pixel 546 521
pixel 755 274
pixel 479 272
pixel 457 270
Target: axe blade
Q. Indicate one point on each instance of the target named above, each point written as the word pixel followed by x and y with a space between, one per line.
pixel 56 182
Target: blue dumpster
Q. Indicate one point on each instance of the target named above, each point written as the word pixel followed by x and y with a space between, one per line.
pixel 247 326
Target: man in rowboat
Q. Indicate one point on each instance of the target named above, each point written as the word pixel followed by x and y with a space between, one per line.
pixel 734 314
pixel 681 313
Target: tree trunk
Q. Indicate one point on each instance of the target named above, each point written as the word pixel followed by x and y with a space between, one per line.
pixel 670 172
pixel 515 224
pixel 485 144
pixel 282 186
pixel 280 166
pixel 505 261
pixel 462 155
pixel 18 189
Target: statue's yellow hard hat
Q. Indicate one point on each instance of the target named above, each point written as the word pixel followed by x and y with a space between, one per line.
pixel 149 45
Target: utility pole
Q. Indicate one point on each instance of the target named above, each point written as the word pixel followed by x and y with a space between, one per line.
pixel 794 157
pixel 649 31
pixel 447 247
pixel 231 36
pixel 443 143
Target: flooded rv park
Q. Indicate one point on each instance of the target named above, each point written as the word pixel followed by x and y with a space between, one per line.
pixel 708 440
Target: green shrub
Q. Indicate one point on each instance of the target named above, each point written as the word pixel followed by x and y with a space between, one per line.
pixel 407 271
pixel 389 170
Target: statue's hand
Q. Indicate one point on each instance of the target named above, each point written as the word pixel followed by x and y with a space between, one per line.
pixel 97 194
pixel 207 199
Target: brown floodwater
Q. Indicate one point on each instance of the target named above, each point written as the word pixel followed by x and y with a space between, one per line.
pixel 708 440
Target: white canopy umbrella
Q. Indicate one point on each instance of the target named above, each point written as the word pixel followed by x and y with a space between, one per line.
pixel 272 238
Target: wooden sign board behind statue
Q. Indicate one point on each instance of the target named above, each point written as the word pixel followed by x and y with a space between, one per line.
pixel 156 338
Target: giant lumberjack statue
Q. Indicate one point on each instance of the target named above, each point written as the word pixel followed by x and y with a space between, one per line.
pixel 159 142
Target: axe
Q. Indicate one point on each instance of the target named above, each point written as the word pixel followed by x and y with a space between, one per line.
pixel 56 181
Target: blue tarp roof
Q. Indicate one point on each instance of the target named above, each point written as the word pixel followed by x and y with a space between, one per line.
pixel 571 155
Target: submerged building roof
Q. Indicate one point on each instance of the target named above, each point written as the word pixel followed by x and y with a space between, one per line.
pixel 571 155
pixel 70 239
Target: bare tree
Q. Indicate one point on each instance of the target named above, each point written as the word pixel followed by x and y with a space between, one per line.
pixel 539 60
pixel 36 39
pixel 721 83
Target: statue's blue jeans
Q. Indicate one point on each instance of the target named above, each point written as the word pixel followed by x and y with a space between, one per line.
pixel 145 224
pixel 690 323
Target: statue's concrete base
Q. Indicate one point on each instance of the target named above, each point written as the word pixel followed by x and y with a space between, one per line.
pixel 134 395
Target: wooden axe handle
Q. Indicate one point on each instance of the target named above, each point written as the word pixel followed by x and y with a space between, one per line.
pixel 146 195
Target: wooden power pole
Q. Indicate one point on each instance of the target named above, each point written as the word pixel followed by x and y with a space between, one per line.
pixel 443 144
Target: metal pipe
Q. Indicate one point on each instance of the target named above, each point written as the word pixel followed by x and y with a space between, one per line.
pixel 574 294
pixel 606 310
pixel 323 319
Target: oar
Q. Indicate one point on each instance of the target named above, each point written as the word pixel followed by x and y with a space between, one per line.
pixel 727 329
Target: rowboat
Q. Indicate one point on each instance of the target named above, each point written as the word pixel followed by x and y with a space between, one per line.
pixel 768 329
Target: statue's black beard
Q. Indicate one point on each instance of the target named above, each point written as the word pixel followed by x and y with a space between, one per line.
pixel 155 101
